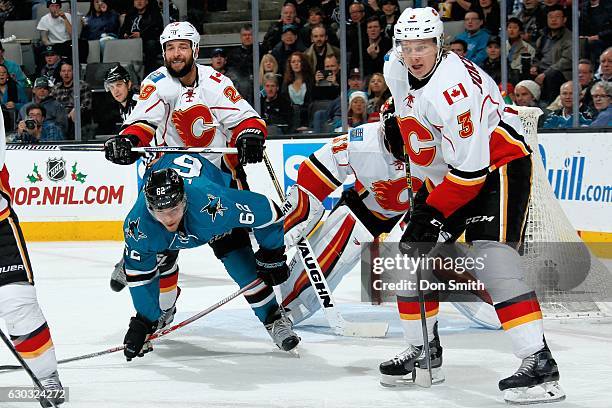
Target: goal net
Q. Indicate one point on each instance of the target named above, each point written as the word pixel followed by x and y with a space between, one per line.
pixel 569 280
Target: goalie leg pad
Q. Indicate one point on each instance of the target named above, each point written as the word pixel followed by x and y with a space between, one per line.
pixel 337 246
pixel 28 328
pixel 302 211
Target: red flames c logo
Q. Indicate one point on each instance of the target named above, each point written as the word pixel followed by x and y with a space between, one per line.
pixel 194 125
pixel 387 194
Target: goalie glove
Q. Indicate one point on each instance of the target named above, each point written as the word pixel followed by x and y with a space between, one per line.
pixel 302 211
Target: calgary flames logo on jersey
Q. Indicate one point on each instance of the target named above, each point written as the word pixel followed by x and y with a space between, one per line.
pixel 194 125
pixel 388 194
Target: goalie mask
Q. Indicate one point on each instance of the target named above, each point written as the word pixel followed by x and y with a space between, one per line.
pixel 391 131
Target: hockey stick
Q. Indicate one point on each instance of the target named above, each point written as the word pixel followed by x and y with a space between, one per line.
pixel 158 334
pixel 152 149
pixel 423 377
pixel 320 286
pixel 25 366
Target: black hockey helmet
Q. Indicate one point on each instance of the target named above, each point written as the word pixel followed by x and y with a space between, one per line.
pixel 391 130
pixel 164 189
pixel 116 73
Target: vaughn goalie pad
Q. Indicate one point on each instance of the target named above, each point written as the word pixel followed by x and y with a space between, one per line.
pixel 337 245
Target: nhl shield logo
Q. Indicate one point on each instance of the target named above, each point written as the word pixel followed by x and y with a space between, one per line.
pixel 56 169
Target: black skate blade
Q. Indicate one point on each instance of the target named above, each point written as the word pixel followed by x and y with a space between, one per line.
pixel 538 394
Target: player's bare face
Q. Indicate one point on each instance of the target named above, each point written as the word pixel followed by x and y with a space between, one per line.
pixel 179 58
pixel 170 218
pixel 419 56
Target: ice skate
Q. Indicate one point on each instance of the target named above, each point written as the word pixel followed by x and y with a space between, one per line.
pixel 118 280
pixel 54 389
pixel 535 381
pixel 399 371
pixel 280 329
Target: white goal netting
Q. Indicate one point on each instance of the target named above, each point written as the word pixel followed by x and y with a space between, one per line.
pixel 569 280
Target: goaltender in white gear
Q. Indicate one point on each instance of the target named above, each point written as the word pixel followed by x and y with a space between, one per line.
pixel 373 153
pixel 476 168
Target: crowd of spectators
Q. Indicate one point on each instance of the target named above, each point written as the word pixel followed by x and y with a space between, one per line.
pixel 300 70
pixel 538 58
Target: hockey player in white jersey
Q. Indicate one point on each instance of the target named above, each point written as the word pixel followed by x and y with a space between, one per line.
pixel 26 324
pixel 187 104
pixel 469 148
pixel 373 154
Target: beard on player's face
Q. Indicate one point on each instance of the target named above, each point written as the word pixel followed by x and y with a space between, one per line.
pixel 188 65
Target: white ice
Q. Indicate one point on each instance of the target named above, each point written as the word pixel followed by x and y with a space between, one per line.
pixel 226 359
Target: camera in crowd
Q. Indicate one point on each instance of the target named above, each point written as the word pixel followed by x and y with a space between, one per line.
pixel 30 124
pixel 324 82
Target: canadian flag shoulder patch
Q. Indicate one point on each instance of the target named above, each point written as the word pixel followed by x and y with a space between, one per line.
pixel 455 94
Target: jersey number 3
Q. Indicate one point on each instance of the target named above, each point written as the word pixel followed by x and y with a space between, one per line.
pixel 467 127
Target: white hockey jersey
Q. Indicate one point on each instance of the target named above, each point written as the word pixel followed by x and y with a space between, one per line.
pixel 380 177
pixel 209 114
pixel 456 127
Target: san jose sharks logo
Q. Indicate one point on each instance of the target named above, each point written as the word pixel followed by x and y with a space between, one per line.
pixel 214 207
pixel 133 230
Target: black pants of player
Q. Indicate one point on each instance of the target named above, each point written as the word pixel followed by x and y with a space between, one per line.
pixel 499 211
pixel 14 259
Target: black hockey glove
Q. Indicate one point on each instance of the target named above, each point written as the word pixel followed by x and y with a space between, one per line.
pixel 118 149
pixel 250 145
pixel 136 336
pixel 421 233
pixel 272 265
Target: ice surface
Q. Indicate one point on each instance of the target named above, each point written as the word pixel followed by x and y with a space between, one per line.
pixel 226 359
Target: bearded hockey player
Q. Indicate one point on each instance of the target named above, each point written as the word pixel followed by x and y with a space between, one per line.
pixel 374 154
pixel 187 104
pixel 186 202
pixel 26 324
pixel 469 147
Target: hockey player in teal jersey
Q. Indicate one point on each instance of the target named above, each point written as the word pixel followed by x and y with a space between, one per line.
pixel 186 203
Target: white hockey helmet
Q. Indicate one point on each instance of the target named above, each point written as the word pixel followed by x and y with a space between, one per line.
pixel 181 30
pixel 418 24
